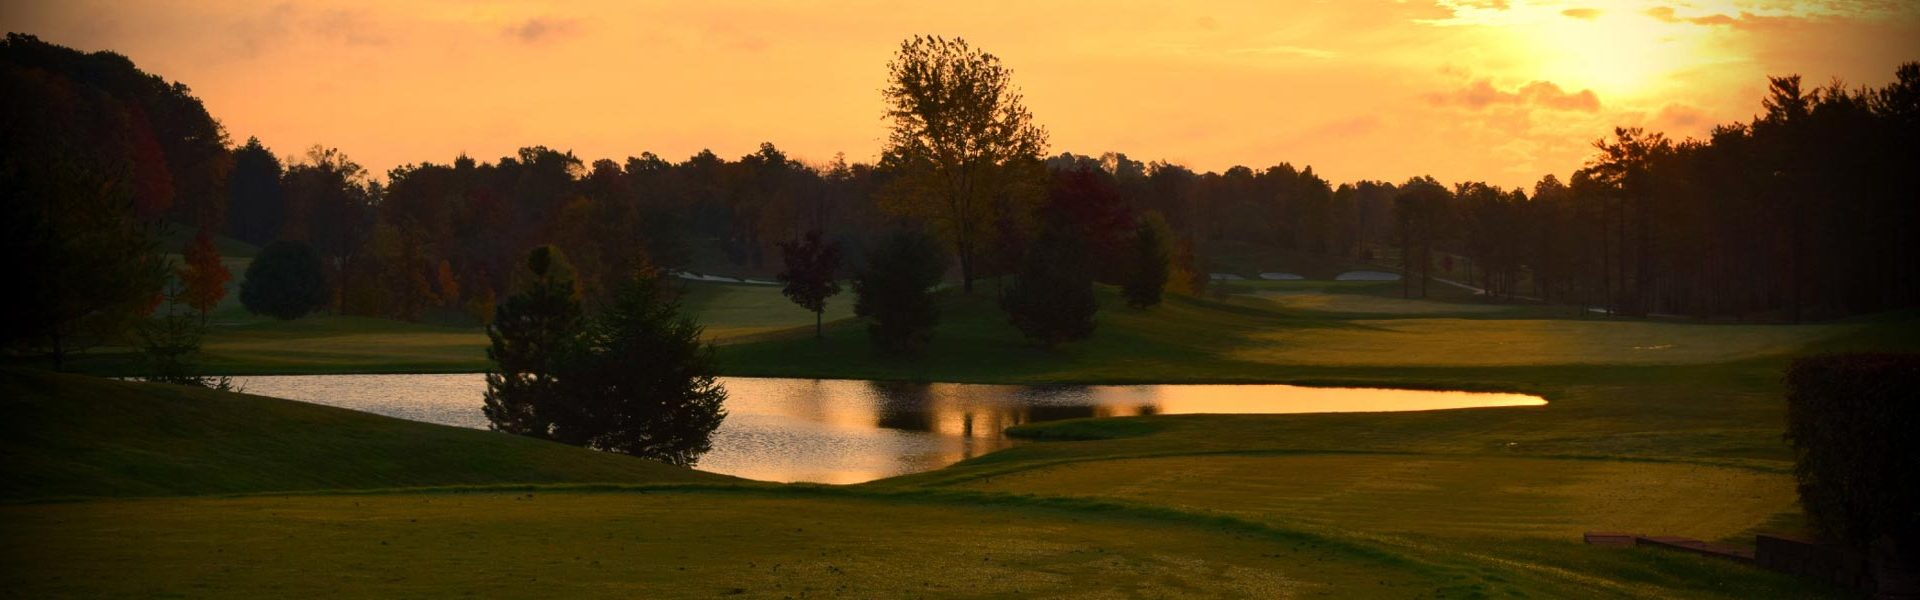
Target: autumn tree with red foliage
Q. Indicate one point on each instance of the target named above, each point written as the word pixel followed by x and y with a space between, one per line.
pixel 205 279
pixel 811 263
pixel 1087 204
pixel 449 286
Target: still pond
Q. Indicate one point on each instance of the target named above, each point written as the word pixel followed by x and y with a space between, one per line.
pixel 850 431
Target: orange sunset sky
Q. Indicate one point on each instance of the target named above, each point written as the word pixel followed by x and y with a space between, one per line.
pixel 1502 91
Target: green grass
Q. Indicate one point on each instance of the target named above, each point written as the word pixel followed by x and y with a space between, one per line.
pixel 1251 339
pixel 1652 427
pixel 238 343
pixel 658 544
pixel 248 344
pixel 76 436
pixel 730 311
pixel 1453 342
pixel 1249 260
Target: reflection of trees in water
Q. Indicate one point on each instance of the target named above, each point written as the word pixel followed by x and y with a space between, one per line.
pixel 1036 403
pixel 809 400
pixel 978 411
pixel 904 405
pixel 1035 414
pixel 1053 395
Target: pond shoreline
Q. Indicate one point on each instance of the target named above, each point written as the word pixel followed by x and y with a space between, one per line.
pixel 841 431
pixel 1385 381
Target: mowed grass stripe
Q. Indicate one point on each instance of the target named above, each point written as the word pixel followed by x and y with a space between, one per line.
pixel 653 544
pixel 1462 496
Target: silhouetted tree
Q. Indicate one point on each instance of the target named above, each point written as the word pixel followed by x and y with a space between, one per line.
pixel 1804 212
pixel 531 332
pixel 286 281
pixel 1626 167
pixel 83 183
pixel 256 200
pixel 962 141
pixel 89 269
pixel 810 265
pixel 330 206
pixel 1851 418
pixel 1085 202
pixel 176 151
pixel 1052 300
pixel 640 382
pixel 1419 211
pixel 1150 263
pixel 894 292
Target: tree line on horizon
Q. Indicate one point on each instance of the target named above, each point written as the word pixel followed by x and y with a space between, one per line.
pixel 1801 213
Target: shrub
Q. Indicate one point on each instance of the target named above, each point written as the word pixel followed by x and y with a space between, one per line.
pixel 527 336
pixel 641 382
pixel 1150 262
pixel 1051 300
pixel 285 281
pixel 633 379
pixel 1854 421
pixel 171 341
pixel 894 292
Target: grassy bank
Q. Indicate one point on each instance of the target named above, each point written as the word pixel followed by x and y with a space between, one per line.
pixel 1652 427
pixel 658 544
pixel 76 436
pixel 238 343
pixel 1259 336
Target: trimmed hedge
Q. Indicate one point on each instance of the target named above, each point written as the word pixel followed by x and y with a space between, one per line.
pixel 1854 422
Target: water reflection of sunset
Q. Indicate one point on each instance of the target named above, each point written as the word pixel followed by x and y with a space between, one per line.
pixel 859 431
pixel 849 431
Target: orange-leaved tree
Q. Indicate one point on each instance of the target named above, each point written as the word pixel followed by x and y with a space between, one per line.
pixel 449 286
pixel 204 278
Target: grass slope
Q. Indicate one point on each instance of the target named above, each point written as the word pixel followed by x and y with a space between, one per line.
pixel 660 544
pixel 731 311
pixel 1254 339
pixel 238 343
pixel 1652 427
pixel 69 435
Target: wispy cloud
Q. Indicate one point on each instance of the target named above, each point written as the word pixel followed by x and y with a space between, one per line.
pixel 1285 50
pixel 1481 93
pixel 1680 119
pixel 281 23
pixel 541 29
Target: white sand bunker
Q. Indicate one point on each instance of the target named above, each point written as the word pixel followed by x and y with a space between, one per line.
pixel 1227 277
pixel 1281 277
pixel 1367 276
pixel 721 279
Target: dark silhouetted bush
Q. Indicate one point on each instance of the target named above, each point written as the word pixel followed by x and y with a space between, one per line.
pixel 1854 421
pixel 1150 262
pixel 531 331
pixel 1051 300
pixel 640 382
pixel 286 281
pixel 894 292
